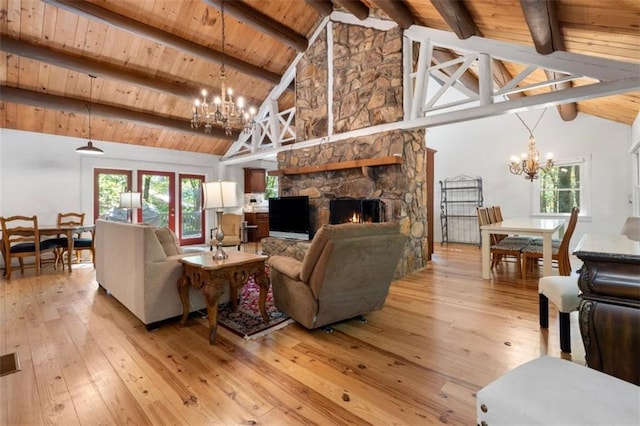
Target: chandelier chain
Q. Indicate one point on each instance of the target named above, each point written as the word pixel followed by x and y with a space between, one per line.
pixel 223 37
pixel 534 127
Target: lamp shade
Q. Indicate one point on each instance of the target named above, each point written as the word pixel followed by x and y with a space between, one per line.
pixel 89 149
pixel 219 194
pixel 130 200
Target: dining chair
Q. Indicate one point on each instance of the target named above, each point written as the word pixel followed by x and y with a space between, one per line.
pixel 565 294
pixel 560 253
pixel 79 243
pixel 501 249
pixel 20 239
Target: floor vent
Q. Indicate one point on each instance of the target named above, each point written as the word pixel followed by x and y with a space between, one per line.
pixel 9 363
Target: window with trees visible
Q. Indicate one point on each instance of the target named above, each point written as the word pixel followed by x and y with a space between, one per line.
pixel 271 187
pixel 563 187
pixel 108 184
pixel 191 213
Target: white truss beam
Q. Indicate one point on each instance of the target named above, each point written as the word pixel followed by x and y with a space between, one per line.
pixel 422 109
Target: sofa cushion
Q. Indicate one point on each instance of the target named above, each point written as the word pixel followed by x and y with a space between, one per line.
pixel 169 241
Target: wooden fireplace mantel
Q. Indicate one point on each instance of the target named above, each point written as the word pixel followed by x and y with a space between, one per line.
pixel 352 164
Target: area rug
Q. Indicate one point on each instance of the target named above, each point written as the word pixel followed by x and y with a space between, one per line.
pixel 246 321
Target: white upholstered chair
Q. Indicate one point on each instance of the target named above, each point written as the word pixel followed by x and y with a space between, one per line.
pixel 563 291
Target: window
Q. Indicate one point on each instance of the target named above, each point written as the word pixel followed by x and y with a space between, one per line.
pixel 562 188
pixel 191 213
pixel 272 187
pixel 108 184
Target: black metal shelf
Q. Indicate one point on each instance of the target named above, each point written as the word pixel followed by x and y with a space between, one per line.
pixel 459 199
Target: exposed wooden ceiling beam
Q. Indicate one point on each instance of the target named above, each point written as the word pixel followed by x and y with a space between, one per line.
pixel 397 11
pixel 59 103
pixel 542 21
pixel 543 25
pixel 263 23
pixel 323 7
pixel 457 17
pixel 107 17
pixel 82 65
pixel 100 69
pixel 355 7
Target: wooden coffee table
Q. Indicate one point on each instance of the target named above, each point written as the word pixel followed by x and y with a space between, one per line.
pixel 210 275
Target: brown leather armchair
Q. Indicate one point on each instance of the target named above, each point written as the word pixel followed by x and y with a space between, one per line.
pixel 345 273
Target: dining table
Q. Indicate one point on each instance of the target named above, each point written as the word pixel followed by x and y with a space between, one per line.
pixel 545 228
pixel 68 231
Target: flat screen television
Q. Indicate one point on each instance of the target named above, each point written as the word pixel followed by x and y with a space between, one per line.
pixel 289 217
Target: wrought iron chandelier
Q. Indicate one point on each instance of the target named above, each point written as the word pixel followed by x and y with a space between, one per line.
pixel 222 110
pixel 529 162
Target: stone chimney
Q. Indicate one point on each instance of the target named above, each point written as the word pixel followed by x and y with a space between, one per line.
pixel 367 86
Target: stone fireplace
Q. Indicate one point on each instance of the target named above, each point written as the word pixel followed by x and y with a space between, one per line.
pixel 366 91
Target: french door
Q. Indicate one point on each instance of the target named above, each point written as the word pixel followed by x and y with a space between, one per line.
pixel 107 186
pixel 159 201
pixel 191 215
pixel 158 198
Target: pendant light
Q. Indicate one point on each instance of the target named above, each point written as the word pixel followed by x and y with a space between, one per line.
pixel 89 148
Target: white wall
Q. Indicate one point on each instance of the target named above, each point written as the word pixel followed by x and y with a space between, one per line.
pixel 42 174
pixel 484 147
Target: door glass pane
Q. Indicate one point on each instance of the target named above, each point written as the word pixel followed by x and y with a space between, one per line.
pixel 191 208
pixel 109 186
pixel 156 199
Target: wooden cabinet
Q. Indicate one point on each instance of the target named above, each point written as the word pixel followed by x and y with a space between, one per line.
pixel 261 220
pixel 254 180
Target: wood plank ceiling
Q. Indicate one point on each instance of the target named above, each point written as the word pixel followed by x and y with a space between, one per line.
pixel 151 58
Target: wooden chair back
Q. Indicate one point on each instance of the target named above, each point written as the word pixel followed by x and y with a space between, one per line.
pixel 497 211
pixel 21 230
pixel 563 250
pixel 70 219
pixel 492 215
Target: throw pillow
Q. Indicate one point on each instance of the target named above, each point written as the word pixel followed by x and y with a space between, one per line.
pixel 169 241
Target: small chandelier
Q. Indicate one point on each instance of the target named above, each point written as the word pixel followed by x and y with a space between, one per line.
pixel 222 110
pixel 529 163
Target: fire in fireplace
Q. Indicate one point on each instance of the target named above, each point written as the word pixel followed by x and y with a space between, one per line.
pixel 356 210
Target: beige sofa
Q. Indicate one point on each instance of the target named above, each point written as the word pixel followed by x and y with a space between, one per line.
pixel 138 265
pixel 346 272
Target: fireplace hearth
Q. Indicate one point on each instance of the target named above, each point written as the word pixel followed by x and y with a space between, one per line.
pixel 356 210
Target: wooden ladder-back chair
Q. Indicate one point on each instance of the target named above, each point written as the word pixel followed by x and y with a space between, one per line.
pixel 79 243
pixel 20 239
pixel 500 248
pixel 560 253
pixel 514 239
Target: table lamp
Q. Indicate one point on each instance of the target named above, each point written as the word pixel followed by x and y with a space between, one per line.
pixel 130 201
pixel 219 195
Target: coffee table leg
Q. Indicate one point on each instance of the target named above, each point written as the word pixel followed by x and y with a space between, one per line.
pixel 212 312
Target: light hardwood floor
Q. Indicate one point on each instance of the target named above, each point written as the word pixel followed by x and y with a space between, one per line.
pixel 443 334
